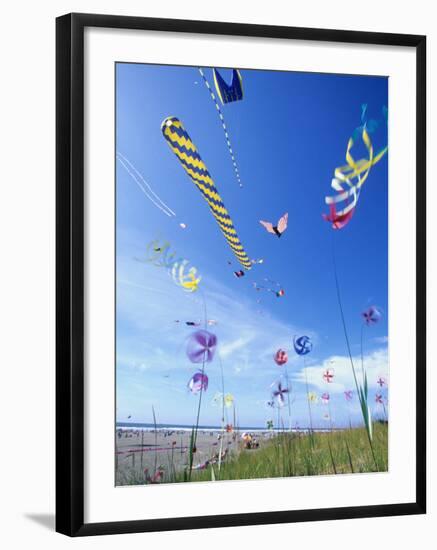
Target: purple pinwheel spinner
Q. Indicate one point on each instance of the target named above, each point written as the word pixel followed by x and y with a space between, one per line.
pixel 378 398
pixel 198 382
pixel 348 395
pixel 325 398
pixel 201 346
pixel 279 394
pixel 372 315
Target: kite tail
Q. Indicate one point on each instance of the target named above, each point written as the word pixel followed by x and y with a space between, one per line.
pixel 185 150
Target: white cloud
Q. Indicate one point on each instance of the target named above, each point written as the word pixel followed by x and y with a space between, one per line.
pixel 149 303
pixel 375 363
pixel 229 347
pixel 381 339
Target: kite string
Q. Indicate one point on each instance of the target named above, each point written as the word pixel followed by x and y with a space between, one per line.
pixel 225 129
pixel 288 398
pixel 223 413
pixel 127 161
pixel 194 440
pixel 308 399
pixel 128 166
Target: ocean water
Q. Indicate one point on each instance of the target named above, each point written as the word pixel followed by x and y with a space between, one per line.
pixel 204 427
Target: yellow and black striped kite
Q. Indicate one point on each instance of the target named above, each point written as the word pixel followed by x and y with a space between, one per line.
pixel 185 150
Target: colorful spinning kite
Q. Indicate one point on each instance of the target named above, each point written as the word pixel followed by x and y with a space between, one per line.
pixel 348 395
pixel 312 397
pixel 159 255
pixel 328 375
pixel 226 400
pixel 222 120
pixel 302 345
pixel 198 382
pixel 325 398
pixel 280 357
pixel 349 178
pixel 185 150
pixel 201 346
pixel 279 394
pixel 372 315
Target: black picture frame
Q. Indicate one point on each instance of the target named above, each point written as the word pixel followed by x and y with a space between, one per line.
pixel 70 273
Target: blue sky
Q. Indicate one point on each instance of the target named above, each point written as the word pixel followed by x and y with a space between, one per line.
pixel 288 134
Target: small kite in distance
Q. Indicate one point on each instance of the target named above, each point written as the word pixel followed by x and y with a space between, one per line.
pixel 276 229
pixel 328 375
pixel 198 382
pixel 239 273
pixel 372 315
pixel 280 357
pixel 348 395
pixel 325 398
pixel 279 393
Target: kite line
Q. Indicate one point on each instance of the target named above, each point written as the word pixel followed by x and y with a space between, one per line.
pixel 144 186
pixel 225 129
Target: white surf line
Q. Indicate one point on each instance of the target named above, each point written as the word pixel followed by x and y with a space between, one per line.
pixel 144 186
pixel 225 130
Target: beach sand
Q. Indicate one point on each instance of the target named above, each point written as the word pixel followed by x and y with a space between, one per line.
pixel 137 450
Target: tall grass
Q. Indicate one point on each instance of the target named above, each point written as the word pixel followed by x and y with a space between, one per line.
pixel 290 454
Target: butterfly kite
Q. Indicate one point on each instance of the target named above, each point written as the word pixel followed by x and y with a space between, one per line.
pixel 276 229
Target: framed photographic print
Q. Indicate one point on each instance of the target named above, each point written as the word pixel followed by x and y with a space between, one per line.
pixel 240 274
